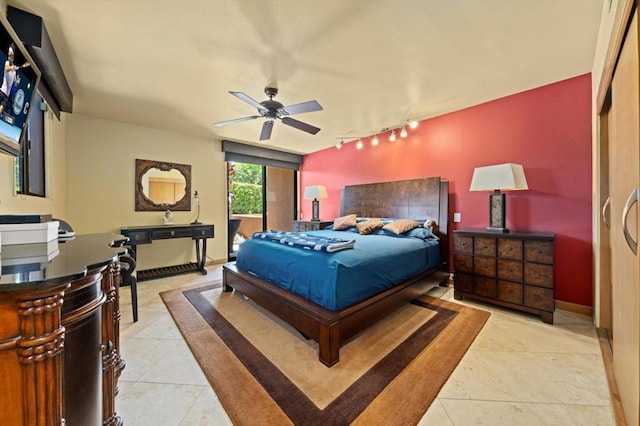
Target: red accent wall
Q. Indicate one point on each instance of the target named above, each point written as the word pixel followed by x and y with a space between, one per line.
pixel 547 130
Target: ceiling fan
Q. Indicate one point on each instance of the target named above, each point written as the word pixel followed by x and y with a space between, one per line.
pixel 271 110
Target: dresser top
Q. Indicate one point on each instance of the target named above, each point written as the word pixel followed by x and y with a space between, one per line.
pixel 482 232
pixel 29 266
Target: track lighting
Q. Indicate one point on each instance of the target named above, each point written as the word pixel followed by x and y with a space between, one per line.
pixel 359 144
pixel 413 124
pixel 374 141
pixel 403 132
pixel 392 138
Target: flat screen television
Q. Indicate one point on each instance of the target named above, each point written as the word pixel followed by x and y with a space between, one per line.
pixel 18 86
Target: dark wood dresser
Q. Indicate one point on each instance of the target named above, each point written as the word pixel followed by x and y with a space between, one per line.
pixel 514 270
pixel 309 225
pixel 59 333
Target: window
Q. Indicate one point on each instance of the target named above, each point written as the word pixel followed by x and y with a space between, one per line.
pixel 30 164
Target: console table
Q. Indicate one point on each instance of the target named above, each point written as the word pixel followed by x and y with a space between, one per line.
pixel 147 234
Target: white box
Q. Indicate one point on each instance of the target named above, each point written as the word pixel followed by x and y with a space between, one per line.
pixel 27 233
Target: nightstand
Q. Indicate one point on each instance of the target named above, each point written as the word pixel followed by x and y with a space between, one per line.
pixel 513 270
pixel 309 225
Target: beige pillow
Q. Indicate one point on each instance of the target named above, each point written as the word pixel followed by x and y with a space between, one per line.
pixel 400 226
pixel 344 222
pixel 369 226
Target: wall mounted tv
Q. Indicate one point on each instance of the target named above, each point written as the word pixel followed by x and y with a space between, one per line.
pixel 20 79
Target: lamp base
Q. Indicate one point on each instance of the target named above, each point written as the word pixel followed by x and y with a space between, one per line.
pixel 315 210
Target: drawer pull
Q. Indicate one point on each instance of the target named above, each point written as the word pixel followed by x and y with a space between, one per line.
pixel 173 233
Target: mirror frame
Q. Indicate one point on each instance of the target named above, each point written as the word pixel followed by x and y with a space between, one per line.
pixel 144 204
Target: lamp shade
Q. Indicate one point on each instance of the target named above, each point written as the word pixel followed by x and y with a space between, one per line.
pixel 312 192
pixel 504 177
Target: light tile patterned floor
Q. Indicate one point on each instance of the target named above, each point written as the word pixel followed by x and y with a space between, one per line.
pixel 519 371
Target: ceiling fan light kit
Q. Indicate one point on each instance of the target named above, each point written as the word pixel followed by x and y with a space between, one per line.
pixel 272 110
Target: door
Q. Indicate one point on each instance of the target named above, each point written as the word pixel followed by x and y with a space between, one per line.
pixel 260 197
pixel 624 155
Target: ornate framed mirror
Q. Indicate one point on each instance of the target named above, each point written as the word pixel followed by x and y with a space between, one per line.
pixel 162 186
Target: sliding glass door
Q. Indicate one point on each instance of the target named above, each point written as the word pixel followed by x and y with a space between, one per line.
pixel 259 198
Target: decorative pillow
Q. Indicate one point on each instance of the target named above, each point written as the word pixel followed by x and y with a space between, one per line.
pixel 402 225
pixel 369 226
pixel 344 222
pixel 422 233
pixel 430 225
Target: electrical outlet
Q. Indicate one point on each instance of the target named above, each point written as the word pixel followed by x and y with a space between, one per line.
pixel 457 217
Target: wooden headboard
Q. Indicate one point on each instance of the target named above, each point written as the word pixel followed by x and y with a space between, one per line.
pixel 426 198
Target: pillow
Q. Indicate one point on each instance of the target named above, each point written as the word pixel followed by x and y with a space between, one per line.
pixel 344 222
pixel 422 233
pixel 402 225
pixel 430 225
pixel 369 226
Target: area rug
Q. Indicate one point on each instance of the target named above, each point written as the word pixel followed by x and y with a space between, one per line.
pixel 266 373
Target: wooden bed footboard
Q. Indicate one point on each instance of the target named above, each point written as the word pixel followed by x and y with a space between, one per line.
pixel 330 329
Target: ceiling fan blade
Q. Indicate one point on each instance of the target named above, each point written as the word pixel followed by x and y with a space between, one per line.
pixel 248 100
pixel 300 108
pixel 300 125
pixel 237 120
pixel 267 127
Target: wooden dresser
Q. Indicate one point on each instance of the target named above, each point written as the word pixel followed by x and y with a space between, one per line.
pixel 514 270
pixel 59 334
pixel 309 225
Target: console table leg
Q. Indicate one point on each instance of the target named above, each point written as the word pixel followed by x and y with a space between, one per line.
pixel 201 259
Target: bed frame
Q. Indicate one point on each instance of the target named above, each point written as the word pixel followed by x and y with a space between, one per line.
pixel 417 198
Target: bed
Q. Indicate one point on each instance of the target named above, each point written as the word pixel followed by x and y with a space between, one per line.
pixel 333 321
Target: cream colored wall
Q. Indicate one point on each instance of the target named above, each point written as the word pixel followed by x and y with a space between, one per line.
pixel 55 165
pixel 101 158
pixel 611 15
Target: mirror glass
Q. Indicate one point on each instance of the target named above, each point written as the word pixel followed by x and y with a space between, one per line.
pixel 162 186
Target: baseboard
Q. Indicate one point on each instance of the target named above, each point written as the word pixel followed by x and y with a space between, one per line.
pixel 211 262
pixel 575 308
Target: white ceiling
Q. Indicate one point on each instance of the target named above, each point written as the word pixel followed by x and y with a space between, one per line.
pixel 371 64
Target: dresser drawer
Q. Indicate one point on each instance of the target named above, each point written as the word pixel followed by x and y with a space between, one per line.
pixel 538 274
pixel 538 251
pixel 462 263
pixel 485 287
pixel 509 270
pixel 463 282
pixel 510 292
pixel 510 248
pixel 484 246
pixel 463 244
pixel 484 266
pixel 539 298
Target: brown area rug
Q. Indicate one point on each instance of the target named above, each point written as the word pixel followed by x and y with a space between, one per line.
pixel 265 372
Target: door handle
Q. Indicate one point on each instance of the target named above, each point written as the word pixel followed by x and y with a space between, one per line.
pixel 606 205
pixel 633 198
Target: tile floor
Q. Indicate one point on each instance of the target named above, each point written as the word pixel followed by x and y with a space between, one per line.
pixel 519 371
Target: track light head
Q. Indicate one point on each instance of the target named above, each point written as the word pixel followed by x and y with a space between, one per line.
pixel 339 144
pixel 374 141
pixel 359 144
pixel 403 132
pixel 392 138
pixel 413 124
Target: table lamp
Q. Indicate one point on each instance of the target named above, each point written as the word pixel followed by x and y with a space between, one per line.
pixel 313 192
pixel 498 178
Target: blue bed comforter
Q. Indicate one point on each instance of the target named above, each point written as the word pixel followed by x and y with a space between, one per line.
pixel 340 279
